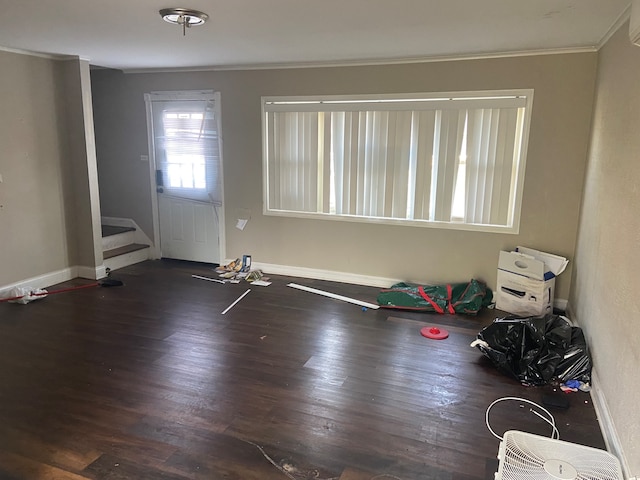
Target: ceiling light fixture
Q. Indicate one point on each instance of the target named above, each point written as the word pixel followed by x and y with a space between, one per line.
pixel 183 16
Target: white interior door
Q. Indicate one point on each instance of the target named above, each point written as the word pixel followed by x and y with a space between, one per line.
pixel 188 229
pixel 185 129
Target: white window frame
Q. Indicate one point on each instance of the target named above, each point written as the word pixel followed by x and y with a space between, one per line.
pixel 478 106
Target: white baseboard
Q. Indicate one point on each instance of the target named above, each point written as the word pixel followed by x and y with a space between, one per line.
pixel 92 273
pixel 41 281
pixel 607 427
pixel 52 278
pixel 609 432
pixel 560 304
pixel 334 276
pixel 317 274
pixel 344 277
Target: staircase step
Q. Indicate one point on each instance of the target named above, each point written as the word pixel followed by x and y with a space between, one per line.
pixel 120 257
pixel 108 230
pixel 133 247
pixel 115 236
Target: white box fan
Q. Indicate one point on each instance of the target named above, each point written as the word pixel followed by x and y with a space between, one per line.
pixel 526 456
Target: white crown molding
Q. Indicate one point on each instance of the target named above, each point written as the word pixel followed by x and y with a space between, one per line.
pixel 66 58
pixel 50 56
pixel 372 62
pixel 615 26
pixel 342 63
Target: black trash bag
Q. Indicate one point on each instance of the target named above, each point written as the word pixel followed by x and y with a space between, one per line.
pixel 536 350
pixel 576 364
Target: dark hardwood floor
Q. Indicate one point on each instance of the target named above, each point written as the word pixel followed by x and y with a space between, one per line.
pixel 150 381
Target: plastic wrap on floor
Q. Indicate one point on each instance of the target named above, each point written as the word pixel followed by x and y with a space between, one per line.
pixel 536 350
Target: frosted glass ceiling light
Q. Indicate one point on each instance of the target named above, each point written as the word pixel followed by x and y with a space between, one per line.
pixel 183 16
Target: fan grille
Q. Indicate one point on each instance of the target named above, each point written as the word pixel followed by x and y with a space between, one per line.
pixel 523 456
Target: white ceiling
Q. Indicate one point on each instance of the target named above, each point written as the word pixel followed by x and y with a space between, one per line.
pixel 130 35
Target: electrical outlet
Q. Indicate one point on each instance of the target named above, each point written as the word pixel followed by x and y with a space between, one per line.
pixel 144 158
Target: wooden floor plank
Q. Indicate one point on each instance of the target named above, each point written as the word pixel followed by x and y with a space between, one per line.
pixel 150 381
pixel 66 455
pixel 14 466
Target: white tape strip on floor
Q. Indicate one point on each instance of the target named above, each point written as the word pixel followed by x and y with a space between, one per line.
pixel 333 295
pixel 237 300
pixel 209 279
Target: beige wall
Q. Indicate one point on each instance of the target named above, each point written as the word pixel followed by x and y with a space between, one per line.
pixel 555 166
pixel 42 196
pixel 34 227
pixel 605 296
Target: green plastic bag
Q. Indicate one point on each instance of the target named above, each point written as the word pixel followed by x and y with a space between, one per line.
pixel 467 298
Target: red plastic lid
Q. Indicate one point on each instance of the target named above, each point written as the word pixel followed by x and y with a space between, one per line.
pixel 434 332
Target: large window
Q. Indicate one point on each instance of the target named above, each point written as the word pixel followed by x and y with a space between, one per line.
pixel 453 160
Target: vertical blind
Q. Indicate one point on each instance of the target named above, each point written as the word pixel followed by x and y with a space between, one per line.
pixel 454 160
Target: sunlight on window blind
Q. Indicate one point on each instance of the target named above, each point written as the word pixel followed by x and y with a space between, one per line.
pixel 187 148
pixel 441 161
